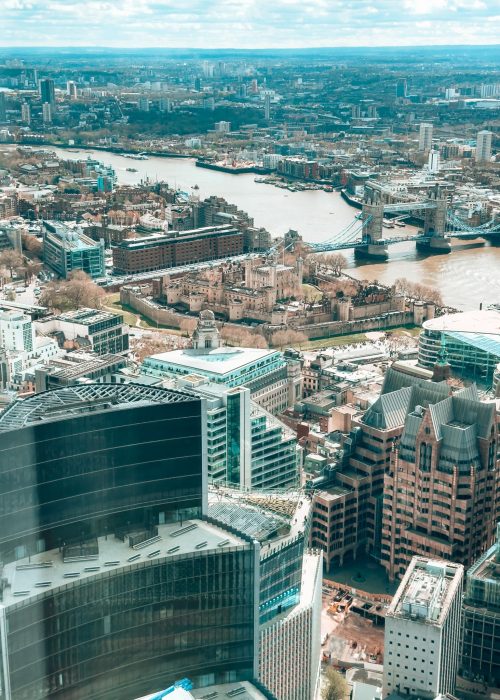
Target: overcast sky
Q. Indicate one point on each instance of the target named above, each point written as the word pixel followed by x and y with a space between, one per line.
pixel 248 23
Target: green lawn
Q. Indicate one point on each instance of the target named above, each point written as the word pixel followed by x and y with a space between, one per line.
pixel 351 338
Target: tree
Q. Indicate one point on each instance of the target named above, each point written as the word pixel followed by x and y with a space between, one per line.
pixel 32 245
pixel 187 325
pixel 77 291
pixel 31 269
pixel 337 262
pixel 336 686
pixel 12 260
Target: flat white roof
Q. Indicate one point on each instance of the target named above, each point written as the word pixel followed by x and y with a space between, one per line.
pixel 218 361
pixel 484 322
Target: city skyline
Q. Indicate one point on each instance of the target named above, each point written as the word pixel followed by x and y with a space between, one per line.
pixel 250 23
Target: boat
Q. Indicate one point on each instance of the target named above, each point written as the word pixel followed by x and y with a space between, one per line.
pixel 195 187
pixel 131 170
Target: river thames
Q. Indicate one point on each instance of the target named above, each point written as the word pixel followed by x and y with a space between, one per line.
pixel 469 275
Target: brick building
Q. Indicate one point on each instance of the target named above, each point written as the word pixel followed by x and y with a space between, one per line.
pixel 176 248
pixel 441 488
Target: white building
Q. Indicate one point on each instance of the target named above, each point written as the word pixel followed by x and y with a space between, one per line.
pixel 223 127
pixel 292 641
pixel 246 446
pixel 422 630
pixel 16 331
pixel 425 137
pixel 47 113
pixel 483 146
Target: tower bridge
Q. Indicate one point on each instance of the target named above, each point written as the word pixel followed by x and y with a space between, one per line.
pixel 440 224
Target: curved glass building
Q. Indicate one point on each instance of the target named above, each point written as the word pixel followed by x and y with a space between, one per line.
pixel 472 341
pixel 113 584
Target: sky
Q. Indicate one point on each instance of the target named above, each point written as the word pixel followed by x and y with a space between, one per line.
pixel 248 23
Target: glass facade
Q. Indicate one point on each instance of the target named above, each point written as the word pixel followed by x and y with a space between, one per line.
pixel 472 355
pixel 112 586
pixel 85 475
pixel 136 630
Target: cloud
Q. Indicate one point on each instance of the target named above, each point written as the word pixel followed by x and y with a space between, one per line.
pixel 247 23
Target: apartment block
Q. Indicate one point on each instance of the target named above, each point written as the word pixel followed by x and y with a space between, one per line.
pixel 158 251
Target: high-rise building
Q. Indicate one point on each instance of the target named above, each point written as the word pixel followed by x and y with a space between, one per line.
pixel 47 91
pixel 422 630
pixel 3 107
pixel 481 619
pixel 401 88
pixel 348 498
pixel 483 146
pixel 26 113
pixel 267 107
pixel 290 585
pixel 143 104
pixel 246 446
pixel 441 488
pixel 425 137
pixel 433 163
pixel 71 89
pixel 112 583
pixel 47 113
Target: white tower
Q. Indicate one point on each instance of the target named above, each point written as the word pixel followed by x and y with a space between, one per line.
pixel 483 146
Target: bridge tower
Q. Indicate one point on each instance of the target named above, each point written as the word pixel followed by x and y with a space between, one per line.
pixel 434 234
pixel 372 241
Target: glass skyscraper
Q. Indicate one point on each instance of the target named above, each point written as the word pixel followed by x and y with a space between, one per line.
pixel 113 583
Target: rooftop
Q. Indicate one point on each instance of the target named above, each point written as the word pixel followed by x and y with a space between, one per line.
pixel 43 572
pixel 218 361
pixel 485 322
pixel 87 316
pixel 70 238
pixel 59 404
pixel 427 591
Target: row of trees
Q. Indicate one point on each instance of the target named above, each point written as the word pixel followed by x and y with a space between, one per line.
pixel 76 291
pixel 417 291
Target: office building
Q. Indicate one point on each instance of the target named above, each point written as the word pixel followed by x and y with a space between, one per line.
pixel 290 585
pixel 422 630
pixel 26 113
pixel 78 367
pixel 112 583
pixel 17 333
pixel 425 137
pixel 143 104
pixel 246 445
pixel 471 340
pixel 3 107
pixel 271 381
pixel 158 251
pixel 483 146
pixel 71 90
pixel 441 487
pixel 481 619
pixel 47 113
pixel 47 91
pixel 66 249
pixel 94 330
